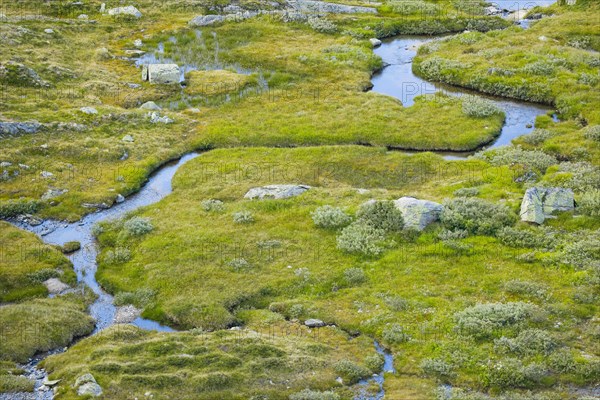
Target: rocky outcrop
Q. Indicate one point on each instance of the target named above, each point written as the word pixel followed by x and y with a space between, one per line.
pixel 161 73
pixel 19 128
pixel 540 203
pixel 128 10
pixel 86 385
pixel 314 6
pixel 418 214
pixel 205 20
pixel 150 105
pixel 155 118
pixel 276 191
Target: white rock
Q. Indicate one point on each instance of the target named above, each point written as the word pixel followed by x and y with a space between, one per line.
pixel 161 73
pixel 89 389
pixel 5 164
pixel 150 105
pixel 205 20
pixel 418 214
pixel 276 191
pixel 120 198
pixel 49 31
pixel 127 138
pixel 126 314
pixel 138 43
pixel 55 286
pixel 129 10
pixel 82 16
pixel 375 42
pixel 543 38
pixel 46 174
pixel 103 8
pixel 88 110
pixel 155 118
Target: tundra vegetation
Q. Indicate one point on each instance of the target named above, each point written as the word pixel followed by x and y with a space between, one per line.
pixel 495 307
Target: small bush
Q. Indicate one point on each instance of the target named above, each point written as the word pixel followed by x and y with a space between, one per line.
pixel 239 264
pixel 582 251
pixel 117 256
pixel 535 160
pixel 478 107
pixel 97 230
pixel 322 25
pixel 592 133
pixel 138 226
pixel 296 311
pixel 70 247
pixel 542 238
pixel 466 192
pixel 140 298
pixel 354 276
pixel 539 68
pixel 381 215
pixel 394 334
pixel 589 203
pixel 308 394
pixel 15 384
pixel 528 342
pixel 439 369
pixel 43 275
pixel 243 217
pixel 329 217
pixel 482 320
pixel 513 374
pixel 375 362
pixel 362 238
pixel 476 216
pixel 537 137
pixel 13 208
pixel 212 205
pixel 446 235
pixel 396 303
pixel 525 288
pixel 584 175
pixel 350 371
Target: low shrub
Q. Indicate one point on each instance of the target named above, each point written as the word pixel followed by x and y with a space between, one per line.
pixel 239 264
pixel 396 303
pixel 140 298
pixel 375 362
pixel 476 216
pixel 466 192
pixel 539 68
pixel 446 235
pixel 512 373
pixel 15 384
pixel 329 217
pixel 322 25
pixel 482 320
pixel 138 226
pixel 526 288
pixel 354 276
pixel 213 205
pixel 70 247
pixel 381 215
pixel 540 238
pixel 395 334
pixel 350 371
pixel 43 275
pixel 528 342
pixel 362 238
pixel 583 250
pixel 243 217
pixel 13 208
pixel 537 137
pixel 535 160
pixel 439 369
pixel 592 133
pixel 589 203
pixel 585 176
pixel 308 394
pixel 117 256
pixel 478 107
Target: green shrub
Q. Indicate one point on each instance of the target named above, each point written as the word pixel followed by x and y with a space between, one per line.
pixel 528 342
pixel 540 238
pixel 535 160
pixel 213 205
pixel 395 334
pixel 537 137
pixel 525 288
pixel 539 68
pixel 482 320
pixel 138 226
pixel 308 394
pixel 589 203
pixel 70 247
pixel 43 275
pixel 243 217
pixel 329 217
pixel 363 238
pixel 396 303
pixel 592 133
pixel 140 298
pixel 447 236
pixel 354 276
pixel 585 176
pixel 583 250
pixel 466 192
pixel 239 264
pixel 562 361
pixel 375 362
pixel 476 216
pixel 15 384
pixel 439 369
pixel 512 373
pixel 97 230
pixel 13 208
pixel 322 25
pixel 478 107
pixel 350 371
pixel 117 256
pixel 381 215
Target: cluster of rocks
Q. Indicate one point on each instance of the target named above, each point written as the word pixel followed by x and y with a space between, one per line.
pixel 86 385
pixel 155 118
pixel 127 10
pixel 19 128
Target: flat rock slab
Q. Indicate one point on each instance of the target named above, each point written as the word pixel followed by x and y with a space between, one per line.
pixel 129 10
pixel 126 314
pixel 418 214
pixel 205 20
pixel 539 203
pixel 314 323
pixel 55 286
pixel 161 73
pixel 276 191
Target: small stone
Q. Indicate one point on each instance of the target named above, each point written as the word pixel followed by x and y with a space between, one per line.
pixel 103 8
pixel 55 286
pixel 23 166
pixel 156 118
pixel 314 323
pixel 418 214
pixel 375 42
pixel 150 105
pixel 543 38
pixel 120 198
pixel 138 43
pixel 82 16
pixel 88 110
pixel 50 383
pixel 89 389
pixel 129 10
pixel 5 164
pixel 49 31
pixel 127 138
pixel 46 174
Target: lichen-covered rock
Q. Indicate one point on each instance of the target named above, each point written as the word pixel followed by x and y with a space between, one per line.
pixel 128 10
pixel 150 105
pixel 325 7
pixel 375 42
pixel 418 214
pixel 276 191
pixel 89 389
pixel 205 20
pixel 314 323
pixel 55 286
pixel 539 203
pixel 161 73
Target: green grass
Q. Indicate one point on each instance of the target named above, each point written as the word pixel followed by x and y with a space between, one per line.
pixel 260 363
pixel 25 262
pixel 186 260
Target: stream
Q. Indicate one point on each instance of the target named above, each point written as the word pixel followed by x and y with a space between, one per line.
pixel 396 80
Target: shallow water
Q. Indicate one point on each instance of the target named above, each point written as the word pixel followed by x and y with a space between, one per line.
pixel 388 367
pixel 398 80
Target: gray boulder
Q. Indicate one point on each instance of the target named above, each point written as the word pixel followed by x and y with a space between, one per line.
pixel 276 191
pixel 539 203
pixel 88 110
pixel 205 20
pixel 418 214
pixel 375 42
pixel 85 378
pixel 314 323
pixel 129 10
pixel 55 286
pixel 128 138
pixel 150 105
pixel 89 389
pixel 18 128
pixel 161 73
pixel 52 193
pixel 325 7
